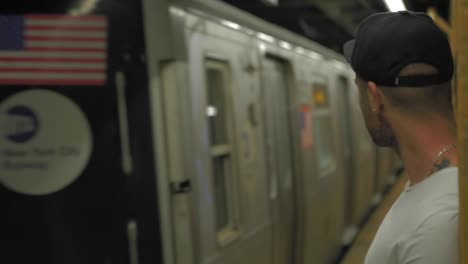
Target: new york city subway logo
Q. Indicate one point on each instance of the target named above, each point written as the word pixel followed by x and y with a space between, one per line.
pixel 21 124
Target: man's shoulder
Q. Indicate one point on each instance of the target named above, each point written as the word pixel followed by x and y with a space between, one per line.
pixel 418 217
pixel 433 237
pixel 441 192
pixel 435 200
pixel 435 240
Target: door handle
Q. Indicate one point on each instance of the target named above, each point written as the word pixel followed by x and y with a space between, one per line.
pixel 181 187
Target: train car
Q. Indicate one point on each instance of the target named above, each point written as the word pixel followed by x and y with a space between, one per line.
pixel 178 132
pixel 272 139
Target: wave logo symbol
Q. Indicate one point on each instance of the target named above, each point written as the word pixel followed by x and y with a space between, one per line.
pixel 21 124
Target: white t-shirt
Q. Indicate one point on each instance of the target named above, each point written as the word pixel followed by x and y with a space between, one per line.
pixel 422 225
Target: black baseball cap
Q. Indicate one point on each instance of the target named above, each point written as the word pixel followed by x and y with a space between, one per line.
pixel 387 42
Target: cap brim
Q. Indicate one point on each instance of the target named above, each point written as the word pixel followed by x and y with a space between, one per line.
pixel 348 49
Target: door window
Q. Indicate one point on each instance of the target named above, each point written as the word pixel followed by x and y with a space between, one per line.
pixel 222 165
pixel 323 130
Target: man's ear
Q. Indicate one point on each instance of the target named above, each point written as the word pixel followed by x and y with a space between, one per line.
pixel 375 97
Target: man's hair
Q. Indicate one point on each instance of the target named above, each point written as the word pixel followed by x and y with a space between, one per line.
pixel 421 101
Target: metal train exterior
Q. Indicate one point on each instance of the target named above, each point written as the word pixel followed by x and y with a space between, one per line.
pixel 218 138
pixel 266 127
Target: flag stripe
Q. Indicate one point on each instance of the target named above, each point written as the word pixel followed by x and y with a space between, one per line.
pixel 64 33
pixel 100 51
pixel 64 17
pixel 65 44
pixel 52 65
pixel 51 76
pixel 39 54
pixel 66 27
pixel 70 23
pixel 49 70
pixel 52 82
pixel 53 59
pixel 67 39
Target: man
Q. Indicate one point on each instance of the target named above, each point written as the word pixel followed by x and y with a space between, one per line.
pixel 404 66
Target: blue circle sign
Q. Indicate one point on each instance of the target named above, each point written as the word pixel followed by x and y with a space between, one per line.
pixel 22 124
pixel 45 142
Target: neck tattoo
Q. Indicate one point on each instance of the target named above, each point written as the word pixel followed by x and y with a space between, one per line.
pixel 439 163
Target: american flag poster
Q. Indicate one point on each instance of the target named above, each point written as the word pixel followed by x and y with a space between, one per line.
pixel 53 50
pixel 307 136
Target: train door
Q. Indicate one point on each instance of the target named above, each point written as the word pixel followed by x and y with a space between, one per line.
pixel 229 203
pixel 279 156
pixel 345 116
pixel 330 181
pixel 76 163
pixel 177 186
pixel 364 162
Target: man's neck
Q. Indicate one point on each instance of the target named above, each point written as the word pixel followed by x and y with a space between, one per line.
pixel 419 144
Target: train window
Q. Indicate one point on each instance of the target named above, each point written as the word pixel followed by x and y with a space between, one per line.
pixel 221 171
pixel 216 105
pixel 323 130
pixel 219 121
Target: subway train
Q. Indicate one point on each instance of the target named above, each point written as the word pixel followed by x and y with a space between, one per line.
pixel 177 132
